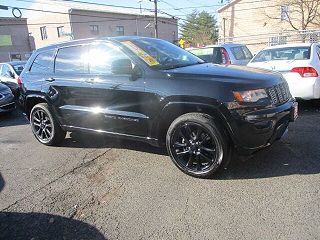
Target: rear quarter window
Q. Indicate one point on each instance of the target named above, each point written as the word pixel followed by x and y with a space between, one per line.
pixel 43 62
pixel 241 53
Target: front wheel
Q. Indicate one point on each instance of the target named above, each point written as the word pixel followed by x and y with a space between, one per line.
pixel 44 127
pixel 196 145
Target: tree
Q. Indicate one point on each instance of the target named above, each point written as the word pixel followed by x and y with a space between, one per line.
pixel 300 14
pixel 200 28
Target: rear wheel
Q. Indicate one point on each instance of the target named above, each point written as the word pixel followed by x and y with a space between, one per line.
pixel 196 145
pixel 44 127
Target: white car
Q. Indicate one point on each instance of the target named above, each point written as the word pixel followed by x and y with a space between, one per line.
pixel 299 65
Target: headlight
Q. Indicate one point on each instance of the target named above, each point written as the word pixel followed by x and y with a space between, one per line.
pixel 250 96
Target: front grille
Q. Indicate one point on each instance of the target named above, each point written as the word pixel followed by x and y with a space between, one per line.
pixel 279 93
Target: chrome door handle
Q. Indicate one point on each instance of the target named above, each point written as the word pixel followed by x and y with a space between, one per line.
pixel 50 79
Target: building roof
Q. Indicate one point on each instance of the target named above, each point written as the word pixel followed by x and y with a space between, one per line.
pixel 12 19
pixel 65 6
pixel 227 5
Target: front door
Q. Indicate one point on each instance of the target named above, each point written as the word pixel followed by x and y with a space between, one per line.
pixel 114 100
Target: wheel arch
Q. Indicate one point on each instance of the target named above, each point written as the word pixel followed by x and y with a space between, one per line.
pixel 173 110
pixel 31 101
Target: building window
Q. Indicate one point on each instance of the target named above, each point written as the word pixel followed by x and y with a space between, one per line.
pixel 120 30
pixel 43 31
pixel 60 31
pixel 284 13
pixel 94 29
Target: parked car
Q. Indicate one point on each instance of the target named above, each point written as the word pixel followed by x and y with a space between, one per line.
pixel 7 103
pixel 299 64
pixel 230 53
pixel 150 90
pixel 9 74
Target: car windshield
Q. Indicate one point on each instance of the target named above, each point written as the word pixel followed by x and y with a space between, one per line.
pixel 288 53
pixel 241 53
pixel 160 54
pixel 18 68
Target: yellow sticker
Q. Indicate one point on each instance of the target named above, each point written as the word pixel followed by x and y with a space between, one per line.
pixel 151 61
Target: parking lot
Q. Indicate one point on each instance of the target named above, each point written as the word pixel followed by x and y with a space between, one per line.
pixel 93 187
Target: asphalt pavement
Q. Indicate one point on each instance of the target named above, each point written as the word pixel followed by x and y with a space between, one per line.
pixel 94 187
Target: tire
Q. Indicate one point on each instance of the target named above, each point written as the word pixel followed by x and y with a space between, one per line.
pixel 197 146
pixel 44 127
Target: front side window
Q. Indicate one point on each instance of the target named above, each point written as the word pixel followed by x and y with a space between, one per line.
pixel 289 53
pixel 43 63
pixel 72 60
pixel 94 29
pixel 160 54
pixel 120 30
pixel 102 56
pixel 60 31
pixel 43 31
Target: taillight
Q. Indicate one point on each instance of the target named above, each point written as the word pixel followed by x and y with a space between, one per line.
pixel 19 82
pixel 305 71
pixel 225 56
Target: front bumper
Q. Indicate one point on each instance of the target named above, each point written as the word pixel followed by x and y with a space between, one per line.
pixel 257 129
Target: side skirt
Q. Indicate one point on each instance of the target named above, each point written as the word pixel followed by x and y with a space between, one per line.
pixel 151 141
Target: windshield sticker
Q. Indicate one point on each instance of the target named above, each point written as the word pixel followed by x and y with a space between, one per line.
pixel 142 54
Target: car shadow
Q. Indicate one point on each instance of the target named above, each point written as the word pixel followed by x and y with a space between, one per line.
pixel 17 225
pixel 91 140
pixel 14 118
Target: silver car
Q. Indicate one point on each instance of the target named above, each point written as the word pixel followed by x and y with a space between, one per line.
pixel 229 53
pixel 9 74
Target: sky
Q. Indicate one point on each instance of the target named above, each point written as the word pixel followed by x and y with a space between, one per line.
pixel 167 6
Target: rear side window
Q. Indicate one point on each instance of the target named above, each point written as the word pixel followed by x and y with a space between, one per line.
pixel 212 54
pixel 5 68
pixel 43 63
pixel 318 51
pixel 72 60
pixel 241 53
pixel 289 53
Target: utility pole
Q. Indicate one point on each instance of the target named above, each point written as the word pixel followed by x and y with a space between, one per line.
pixel 155 17
pixel 224 30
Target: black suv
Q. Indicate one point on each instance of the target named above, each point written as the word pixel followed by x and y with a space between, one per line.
pixel 150 90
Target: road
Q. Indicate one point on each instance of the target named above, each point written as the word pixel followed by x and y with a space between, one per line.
pixel 93 187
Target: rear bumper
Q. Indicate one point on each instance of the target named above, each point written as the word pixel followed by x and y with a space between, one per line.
pixel 305 88
pixel 7 104
pixel 260 128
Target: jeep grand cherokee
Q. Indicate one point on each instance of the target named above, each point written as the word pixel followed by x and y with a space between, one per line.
pixel 150 90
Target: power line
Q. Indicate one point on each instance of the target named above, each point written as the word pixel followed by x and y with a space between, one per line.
pixel 91 3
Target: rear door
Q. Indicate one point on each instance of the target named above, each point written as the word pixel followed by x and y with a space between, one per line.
pixel 64 87
pixel 115 102
pixel 36 74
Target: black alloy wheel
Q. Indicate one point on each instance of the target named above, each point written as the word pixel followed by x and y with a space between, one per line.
pixel 195 145
pixel 44 127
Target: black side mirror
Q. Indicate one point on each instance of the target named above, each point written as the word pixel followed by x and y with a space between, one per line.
pixel 121 66
pixel 9 74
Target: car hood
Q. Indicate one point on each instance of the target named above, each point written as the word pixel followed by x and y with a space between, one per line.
pixel 240 75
